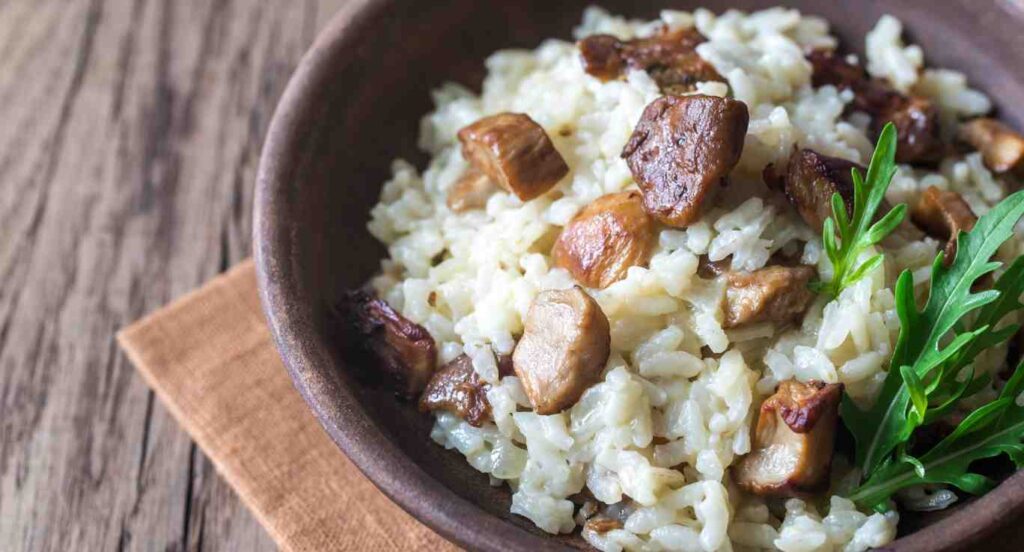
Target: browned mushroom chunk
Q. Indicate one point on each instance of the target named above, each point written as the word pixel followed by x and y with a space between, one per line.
pixel 776 293
pixel 918 138
pixel 812 179
pixel 670 57
pixel 405 349
pixel 915 117
pixel 682 149
pixel 471 191
pixel 565 345
pixel 602 56
pixel 607 237
pixel 515 152
pixel 828 68
pixel 1000 147
pixel 793 440
pixel 456 388
pixel 943 214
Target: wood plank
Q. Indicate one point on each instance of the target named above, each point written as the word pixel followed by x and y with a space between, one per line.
pixel 131 132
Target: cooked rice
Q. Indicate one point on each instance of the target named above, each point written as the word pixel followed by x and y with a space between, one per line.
pixel 656 383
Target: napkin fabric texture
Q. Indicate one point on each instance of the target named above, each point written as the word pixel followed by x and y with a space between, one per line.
pixel 210 358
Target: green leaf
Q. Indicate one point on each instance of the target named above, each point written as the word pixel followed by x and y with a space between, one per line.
pixel 829 241
pixel 881 428
pixel 1015 385
pixel 839 213
pixel 916 391
pixel 866 267
pixel 857 231
pixel 885 225
pixel 919 468
pixel 1010 287
pixel 977 420
pixel 937 343
pixel 883 165
pixel 997 428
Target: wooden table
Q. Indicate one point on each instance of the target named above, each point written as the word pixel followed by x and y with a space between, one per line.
pixel 130 131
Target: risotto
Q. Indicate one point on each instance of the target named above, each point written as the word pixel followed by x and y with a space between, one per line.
pixel 643 453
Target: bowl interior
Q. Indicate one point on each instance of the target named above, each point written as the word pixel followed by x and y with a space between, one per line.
pixel 354 106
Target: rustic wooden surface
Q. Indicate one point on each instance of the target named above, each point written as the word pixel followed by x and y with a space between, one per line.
pixel 130 131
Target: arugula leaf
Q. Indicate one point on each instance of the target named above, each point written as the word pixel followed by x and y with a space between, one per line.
pixel 856 232
pixel 993 429
pixel 922 344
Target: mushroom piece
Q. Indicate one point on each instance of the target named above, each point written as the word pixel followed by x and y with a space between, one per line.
pixel 471 191
pixel 670 57
pixel 793 440
pixel 1000 147
pixel 777 293
pixel 918 138
pixel 456 388
pixel 565 345
pixel 515 152
pixel 916 118
pixel 407 352
pixel 602 56
pixel 603 240
pixel 943 214
pixel 827 68
pixel 682 149
pixel 811 180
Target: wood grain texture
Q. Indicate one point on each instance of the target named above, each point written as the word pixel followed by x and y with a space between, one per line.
pixel 129 136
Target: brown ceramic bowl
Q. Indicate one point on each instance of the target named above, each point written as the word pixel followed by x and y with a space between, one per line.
pixel 354 104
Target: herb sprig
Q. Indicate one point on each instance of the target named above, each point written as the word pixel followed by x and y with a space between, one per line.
pixel 856 232
pixel 995 428
pixel 925 380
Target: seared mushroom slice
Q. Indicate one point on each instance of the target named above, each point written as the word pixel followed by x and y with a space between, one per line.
pixel 670 57
pixel 916 118
pixel 564 348
pixel 1000 147
pixel 456 388
pixel 682 149
pixel 793 440
pixel 943 214
pixel 607 237
pixel 515 152
pixel 407 352
pixel 471 191
pixel 777 293
pixel 918 138
pixel 811 180
pixel 602 56
pixel 828 68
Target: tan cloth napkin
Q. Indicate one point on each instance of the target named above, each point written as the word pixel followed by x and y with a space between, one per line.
pixel 211 360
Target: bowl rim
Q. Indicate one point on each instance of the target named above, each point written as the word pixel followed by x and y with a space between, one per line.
pixel 349 426
pixel 357 435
